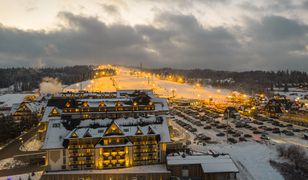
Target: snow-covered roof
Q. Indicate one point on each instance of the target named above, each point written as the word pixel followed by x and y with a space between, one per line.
pixel 56 132
pixel 161 104
pixel 55 135
pixel 10 99
pixel 32 106
pixel 209 163
pixel 46 115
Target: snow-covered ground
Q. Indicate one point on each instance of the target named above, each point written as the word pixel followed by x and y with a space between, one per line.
pixel 162 87
pixel 31 145
pixel 36 176
pixel 7 90
pixel 251 158
pixel 10 163
pixel 293 93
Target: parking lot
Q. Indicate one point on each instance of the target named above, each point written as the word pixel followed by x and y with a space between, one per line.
pixel 209 126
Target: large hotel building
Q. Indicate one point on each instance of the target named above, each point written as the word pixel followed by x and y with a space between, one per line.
pixel 120 135
pixel 100 131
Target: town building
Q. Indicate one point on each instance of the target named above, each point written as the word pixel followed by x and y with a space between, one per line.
pixel 119 135
pixel 202 167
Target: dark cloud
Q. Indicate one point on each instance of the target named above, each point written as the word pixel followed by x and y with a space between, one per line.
pixel 305 4
pixel 279 28
pixel 180 41
pixel 183 42
pixel 274 41
pixel 89 41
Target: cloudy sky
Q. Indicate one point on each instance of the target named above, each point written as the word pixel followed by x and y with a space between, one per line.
pixel 217 34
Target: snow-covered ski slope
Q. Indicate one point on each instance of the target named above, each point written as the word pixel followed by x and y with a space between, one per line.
pixel 123 80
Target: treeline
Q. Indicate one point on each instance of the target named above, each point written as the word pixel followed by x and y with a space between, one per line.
pixel 27 79
pixel 243 81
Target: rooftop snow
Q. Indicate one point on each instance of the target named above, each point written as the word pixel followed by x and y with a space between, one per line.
pixel 209 163
pixel 10 99
pixel 56 132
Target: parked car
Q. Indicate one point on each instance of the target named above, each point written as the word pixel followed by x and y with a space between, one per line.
pixel 276 131
pixel 207 127
pixel 264 137
pixel 232 140
pixel 289 133
pixel 242 139
pixel 256 132
pixel 247 135
pixel 220 134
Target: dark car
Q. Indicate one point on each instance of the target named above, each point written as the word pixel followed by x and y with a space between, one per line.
pixel 296 130
pixel 232 140
pixel 289 133
pixel 242 139
pixel 276 131
pixel 207 127
pixel 256 132
pixel 236 135
pixel 230 131
pixel 264 137
pixel 220 134
pixel 268 129
pixel 247 135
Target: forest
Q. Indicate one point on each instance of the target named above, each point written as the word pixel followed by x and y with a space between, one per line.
pixel 28 79
pixel 248 81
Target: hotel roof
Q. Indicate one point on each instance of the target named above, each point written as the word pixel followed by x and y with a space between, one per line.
pixel 56 132
pixel 209 163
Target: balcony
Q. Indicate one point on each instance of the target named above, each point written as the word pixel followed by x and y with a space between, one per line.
pixel 74 147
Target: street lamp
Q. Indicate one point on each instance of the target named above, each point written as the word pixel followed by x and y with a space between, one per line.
pixel 173 92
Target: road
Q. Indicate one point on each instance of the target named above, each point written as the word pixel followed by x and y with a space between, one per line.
pixel 21 170
pixel 12 148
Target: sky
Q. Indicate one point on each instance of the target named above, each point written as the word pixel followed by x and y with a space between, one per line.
pixel 233 35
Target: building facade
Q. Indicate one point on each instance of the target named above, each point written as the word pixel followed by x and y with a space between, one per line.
pixel 125 130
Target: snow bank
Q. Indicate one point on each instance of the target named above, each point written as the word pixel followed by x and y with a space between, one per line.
pixel 10 163
pixel 36 176
pixel 32 145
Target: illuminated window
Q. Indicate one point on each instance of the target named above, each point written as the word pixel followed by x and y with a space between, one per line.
pixel 67 104
pixel 101 104
pixel 85 104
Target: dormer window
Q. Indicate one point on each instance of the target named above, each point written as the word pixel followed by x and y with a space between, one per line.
pixel 118 104
pixel 101 104
pixel 85 104
pixel 67 104
pixel 135 104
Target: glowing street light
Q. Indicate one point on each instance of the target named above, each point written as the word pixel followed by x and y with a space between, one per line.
pixel 173 92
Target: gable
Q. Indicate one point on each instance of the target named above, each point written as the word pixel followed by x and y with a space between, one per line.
pixel 74 135
pixel 113 129
pixel 54 112
pixel 150 130
pixel 23 107
pixel 138 131
pixel 87 134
